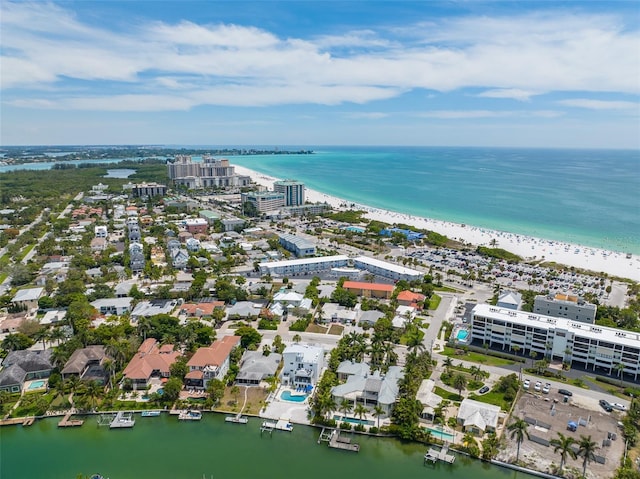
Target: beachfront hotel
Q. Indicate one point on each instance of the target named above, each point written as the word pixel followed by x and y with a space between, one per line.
pixel 209 173
pixel 264 201
pixel 597 348
pixel 292 190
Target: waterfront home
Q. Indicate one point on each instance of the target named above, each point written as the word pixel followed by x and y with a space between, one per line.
pixel 28 298
pixel 256 367
pixel 26 365
pixel 429 400
pixel 210 362
pixel 302 364
pixel 151 360
pixel 477 417
pixel 367 388
pixel 114 306
pixel 87 364
pixel 369 290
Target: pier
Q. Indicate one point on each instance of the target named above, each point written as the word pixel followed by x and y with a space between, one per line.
pixel 332 437
pixel 238 419
pixel 66 421
pixel 433 455
pixel 267 426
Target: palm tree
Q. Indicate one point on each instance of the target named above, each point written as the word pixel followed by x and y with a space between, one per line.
pixel 475 372
pixel 586 449
pixel 11 342
pixel 620 369
pixel 345 406
pixel 377 412
pixel 144 326
pixel 518 430
pixel 447 363
pixel 297 338
pixel 93 392
pixel 563 444
pixel 460 383
pixel 109 366
pixel 42 335
pixel 360 411
pixel 57 334
pixel 533 355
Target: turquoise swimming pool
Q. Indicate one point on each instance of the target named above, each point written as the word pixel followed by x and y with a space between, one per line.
pixel 462 335
pixel 287 396
pixel 353 420
pixel 438 434
pixel 37 384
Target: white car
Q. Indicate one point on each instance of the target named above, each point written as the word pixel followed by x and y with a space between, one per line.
pixel 618 406
pixel 546 388
pixel 526 384
pixel 538 386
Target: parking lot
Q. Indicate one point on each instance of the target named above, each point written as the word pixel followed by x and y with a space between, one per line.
pixel 547 415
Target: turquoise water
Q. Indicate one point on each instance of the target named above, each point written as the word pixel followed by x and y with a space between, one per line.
pixel 353 420
pixel 287 396
pixel 462 335
pixel 166 448
pixel 37 384
pixel 443 436
pixel 587 197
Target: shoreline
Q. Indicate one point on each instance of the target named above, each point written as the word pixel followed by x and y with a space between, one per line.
pixel 529 248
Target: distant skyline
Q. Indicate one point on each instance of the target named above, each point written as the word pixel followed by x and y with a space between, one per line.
pixel 454 73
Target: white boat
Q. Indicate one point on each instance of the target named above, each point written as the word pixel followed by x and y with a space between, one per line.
pixel 121 420
pixel 190 416
pixel 150 413
pixel 238 419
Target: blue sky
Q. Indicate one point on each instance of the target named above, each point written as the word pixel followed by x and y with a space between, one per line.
pixel 455 73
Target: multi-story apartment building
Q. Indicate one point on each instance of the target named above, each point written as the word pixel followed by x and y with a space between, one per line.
pixel 292 190
pixel 386 270
pixel 303 265
pixel 209 173
pixel 565 306
pixel 592 347
pixel 264 201
pixel 148 189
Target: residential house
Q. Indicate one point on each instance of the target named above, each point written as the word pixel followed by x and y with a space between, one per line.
pixel 302 365
pixel 256 367
pixel 334 313
pixel 370 317
pixel 510 300
pixel 87 364
pixel 25 365
pixel 153 307
pixel 179 258
pixel 202 309
pixel 368 388
pixel 151 360
pixel 196 225
pixel 210 362
pixel 477 417
pixel 244 310
pixel 114 306
pixel 28 298
pixel 192 244
pixel 409 298
pixel 100 232
pixel 429 400
pixel 404 314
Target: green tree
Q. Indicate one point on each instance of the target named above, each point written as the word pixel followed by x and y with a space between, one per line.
pixel 215 390
pixel 172 389
pixel 249 336
pixel 460 383
pixel 586 449
pixel 378 411
pixel 345 406
pixel 518 431
pixel 179 368
pixel 563 445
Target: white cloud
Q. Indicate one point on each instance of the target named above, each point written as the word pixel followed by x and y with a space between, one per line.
pixel 510 93
pixel 237 65
pixel 373 115
pixel 601 104
pixel 474 114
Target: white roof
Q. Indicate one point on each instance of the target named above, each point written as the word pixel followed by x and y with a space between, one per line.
pixel 585 330
pixel 112 302
pixel 478 413
pixel 388 266
pixel 310 354
pixel 290 296
pixel 301 261
pixel 29 294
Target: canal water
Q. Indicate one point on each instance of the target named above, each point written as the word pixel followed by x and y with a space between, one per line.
pixel 164 448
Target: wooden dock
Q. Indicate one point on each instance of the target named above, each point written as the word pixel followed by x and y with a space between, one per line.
pixel 344 443
pixel 24 421
pixel 433 455
pixel 66 421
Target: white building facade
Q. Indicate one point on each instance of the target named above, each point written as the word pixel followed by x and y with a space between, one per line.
pixel 302 365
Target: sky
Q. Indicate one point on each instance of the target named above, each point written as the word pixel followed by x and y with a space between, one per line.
pixel 304 73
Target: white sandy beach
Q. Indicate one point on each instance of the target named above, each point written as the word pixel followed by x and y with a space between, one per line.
pixel 594 259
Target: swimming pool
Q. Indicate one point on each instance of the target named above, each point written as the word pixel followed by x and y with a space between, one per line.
pixel 37 384
pixel 287 396
pixel 462 335
pixel 439 434
pixel 353 420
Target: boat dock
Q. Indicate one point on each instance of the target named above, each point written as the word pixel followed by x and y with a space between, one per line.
pixel 66 421
pixel 267 426
pixel 121 420
pixel 433 455
pixel 238 419
pixel 344 443
pixel 25 421
pixel 284 425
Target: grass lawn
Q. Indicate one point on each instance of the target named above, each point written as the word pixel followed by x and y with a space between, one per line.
pixel 255 400
pixel 434 301
pixel 316 328
pixel 474 357
pixel 25 251
pixel 444 394
pixel 336 329
pixel 447 289
pixel 492 397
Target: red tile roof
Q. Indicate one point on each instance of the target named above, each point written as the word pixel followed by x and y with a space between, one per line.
pixel 410 296
pixel 150 358
pixel 201 309
pixel 214 355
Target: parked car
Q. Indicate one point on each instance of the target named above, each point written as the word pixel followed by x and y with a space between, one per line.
pixel 526 384
pixel 546 388
pixel 605 405
pixel 618 406
pixel 538 386
pixel 483 389
pixel 565 392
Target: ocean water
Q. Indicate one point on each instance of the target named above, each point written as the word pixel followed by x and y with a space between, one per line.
pixel 165 448
pixel 588 197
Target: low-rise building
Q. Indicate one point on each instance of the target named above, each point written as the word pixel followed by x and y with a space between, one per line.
pixel 28 298
pixel 298 246
pixel 477 417
pixel 255 367
pixel 25 365
pixel 385 269
pixel 303 265
pixel 196 225
pixel 87 364
pixel 210 362
pixel 114 306
pixel 510 300
pixel 409 298
pixel 369 290
pixel 565 306
pixel 302 364
pixel 151 360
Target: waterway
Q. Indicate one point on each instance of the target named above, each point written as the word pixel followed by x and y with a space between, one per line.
pixel 164 448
